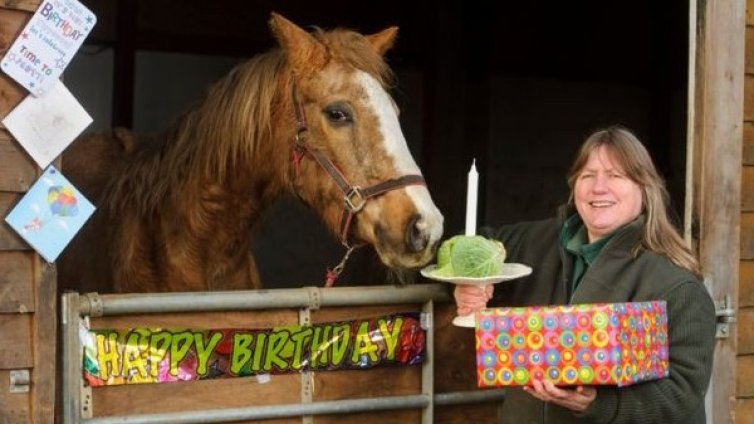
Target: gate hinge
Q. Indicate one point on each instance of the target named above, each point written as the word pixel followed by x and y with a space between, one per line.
pixel 725 314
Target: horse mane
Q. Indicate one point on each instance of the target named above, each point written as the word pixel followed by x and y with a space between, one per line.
pixel 224 129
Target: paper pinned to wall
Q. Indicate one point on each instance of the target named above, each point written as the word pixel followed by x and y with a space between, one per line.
pixel 45 126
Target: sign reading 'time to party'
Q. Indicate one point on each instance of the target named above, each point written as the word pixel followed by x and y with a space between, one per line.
pixel 48 42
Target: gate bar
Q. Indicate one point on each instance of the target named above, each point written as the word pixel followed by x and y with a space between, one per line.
pixel 347 406
pixel 71 375
pixel 271 411
pixel 152 303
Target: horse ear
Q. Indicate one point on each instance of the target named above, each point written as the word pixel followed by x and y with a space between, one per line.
pixel 302 50
pixel 383 40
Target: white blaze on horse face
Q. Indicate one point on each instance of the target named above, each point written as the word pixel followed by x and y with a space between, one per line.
pixel 396 147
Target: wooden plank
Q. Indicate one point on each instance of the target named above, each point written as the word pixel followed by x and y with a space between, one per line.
pixel 9 239
pixel 44 341
pixel 16 294
pixel 466 414
pixel 745 411
pixel 724 98
pixel 19 171
pixel 27 5
pixel 455 357
pixel 747 236
pixel 749 12
pixel 15 349
pixel 747 189
pixel 14 407
pixel 390 381
pixel 745 376
pixel 11 24
pixel 349 384
pixel 748 154
pixel 746 331
pixel 746 284
pixel 749 50
pixel 196 395
pixel 749 98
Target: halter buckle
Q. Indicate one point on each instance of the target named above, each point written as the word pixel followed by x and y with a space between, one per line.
pixel 354 199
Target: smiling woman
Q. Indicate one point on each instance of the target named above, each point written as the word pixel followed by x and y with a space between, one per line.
pixel 613 242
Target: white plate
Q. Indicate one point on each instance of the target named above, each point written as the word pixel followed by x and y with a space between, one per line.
pixel 511 271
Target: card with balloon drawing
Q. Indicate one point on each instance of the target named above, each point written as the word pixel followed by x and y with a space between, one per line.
pixel 50 214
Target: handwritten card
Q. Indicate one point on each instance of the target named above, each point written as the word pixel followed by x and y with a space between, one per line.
pixel 46 125
pixel 48 42
pixel 50 214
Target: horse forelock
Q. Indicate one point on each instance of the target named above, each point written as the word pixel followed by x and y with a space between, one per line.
pixel 353 48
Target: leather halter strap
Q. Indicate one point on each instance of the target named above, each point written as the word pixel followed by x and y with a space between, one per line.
pixel 354 196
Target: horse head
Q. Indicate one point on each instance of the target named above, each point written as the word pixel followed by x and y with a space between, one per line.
pixel 350 160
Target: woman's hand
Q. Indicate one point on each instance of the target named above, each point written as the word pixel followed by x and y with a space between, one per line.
pixel 577 400
pixel 471 298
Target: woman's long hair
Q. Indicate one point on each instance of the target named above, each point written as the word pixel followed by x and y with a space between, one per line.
pixel 659 235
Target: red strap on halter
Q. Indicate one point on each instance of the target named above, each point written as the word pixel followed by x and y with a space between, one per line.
pixel 354 197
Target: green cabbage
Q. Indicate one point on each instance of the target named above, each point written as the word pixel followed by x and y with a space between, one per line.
pixel 470 256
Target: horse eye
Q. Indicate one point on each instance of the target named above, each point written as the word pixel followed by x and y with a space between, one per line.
pixel 338 114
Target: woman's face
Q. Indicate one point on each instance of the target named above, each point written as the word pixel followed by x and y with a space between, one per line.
pixel 605 197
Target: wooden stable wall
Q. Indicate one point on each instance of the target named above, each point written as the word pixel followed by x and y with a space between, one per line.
pixel 745 375
pixel 27 283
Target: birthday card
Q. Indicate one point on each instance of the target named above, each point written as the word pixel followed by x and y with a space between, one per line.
pixel 50 214
pixel 47 44
pixel 46 125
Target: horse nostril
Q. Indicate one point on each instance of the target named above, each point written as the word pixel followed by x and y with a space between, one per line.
pixel 416 237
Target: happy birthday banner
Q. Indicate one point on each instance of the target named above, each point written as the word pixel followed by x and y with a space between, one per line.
pixel 142 355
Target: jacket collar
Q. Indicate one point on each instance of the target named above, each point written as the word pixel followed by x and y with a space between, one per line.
pixel 626 239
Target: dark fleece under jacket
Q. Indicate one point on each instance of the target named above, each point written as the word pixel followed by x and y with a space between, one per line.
pixel 617 275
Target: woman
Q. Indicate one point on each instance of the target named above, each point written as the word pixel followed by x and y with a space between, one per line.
pixel 613 242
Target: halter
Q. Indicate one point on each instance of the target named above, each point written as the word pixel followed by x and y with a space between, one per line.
pixel 354 197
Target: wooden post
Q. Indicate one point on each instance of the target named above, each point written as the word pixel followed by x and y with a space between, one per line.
pixel 717 110
pixel 28 284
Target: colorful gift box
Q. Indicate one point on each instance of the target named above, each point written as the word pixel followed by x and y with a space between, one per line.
pixel 595 344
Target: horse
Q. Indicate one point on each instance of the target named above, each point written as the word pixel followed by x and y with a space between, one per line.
pixel 311 117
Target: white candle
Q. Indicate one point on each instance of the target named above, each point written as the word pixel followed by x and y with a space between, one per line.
pixel 471 199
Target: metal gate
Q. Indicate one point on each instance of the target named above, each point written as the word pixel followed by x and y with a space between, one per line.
pixel 77 400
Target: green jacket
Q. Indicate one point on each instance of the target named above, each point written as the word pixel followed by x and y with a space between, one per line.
pixel 615 276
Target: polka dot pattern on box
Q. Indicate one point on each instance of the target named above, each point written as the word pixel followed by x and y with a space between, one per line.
pixel 596 344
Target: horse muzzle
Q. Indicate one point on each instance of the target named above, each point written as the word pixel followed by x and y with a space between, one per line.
pixel 408 241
